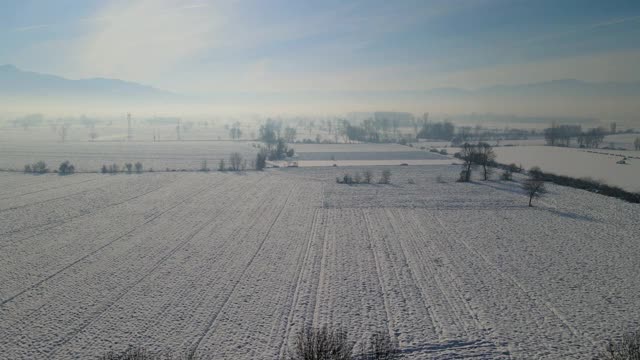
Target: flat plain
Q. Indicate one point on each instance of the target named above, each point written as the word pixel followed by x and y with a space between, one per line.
pixel 235 264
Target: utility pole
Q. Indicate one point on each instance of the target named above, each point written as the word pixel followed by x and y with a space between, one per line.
pixel 129 131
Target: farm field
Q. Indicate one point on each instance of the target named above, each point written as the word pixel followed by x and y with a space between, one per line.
pixel 90 156
pixel 576 163
pixel 234 264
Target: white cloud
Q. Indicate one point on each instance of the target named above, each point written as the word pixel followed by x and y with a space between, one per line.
pixel 141 39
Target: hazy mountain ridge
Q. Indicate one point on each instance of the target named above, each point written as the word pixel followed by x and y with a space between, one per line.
pixel 16 82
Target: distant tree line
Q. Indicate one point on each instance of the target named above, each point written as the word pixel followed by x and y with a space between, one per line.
pixel 276 145
pixel 127 168
pixel 562 135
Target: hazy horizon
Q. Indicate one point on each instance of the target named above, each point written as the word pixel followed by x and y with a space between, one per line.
pixel 333 57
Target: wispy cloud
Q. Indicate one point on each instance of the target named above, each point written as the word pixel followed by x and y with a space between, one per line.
pixel 31 27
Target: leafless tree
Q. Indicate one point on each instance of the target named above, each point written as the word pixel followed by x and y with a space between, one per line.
pixel 534 189
pixel 368 176
pixel 385 178
pixel 467 155
pixel 485 156
pixel 235 159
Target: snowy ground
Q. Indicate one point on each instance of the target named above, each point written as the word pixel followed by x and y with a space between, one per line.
pixel 90 156
pixel 576 162
pixel 235 264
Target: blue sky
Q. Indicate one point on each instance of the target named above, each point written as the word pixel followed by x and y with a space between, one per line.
pixel 206 47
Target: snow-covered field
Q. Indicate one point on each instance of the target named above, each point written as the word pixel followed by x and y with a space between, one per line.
pixel 576 163
pixel 235 264
pixel 90 156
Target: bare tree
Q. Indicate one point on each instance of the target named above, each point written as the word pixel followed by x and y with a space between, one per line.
pixel 290 134
pixel 534 189
pixel 235 159
pixel 368 176
pixel 467 154
pixel 385 178
pixel 235 133
pixel 66 168
pixel 485 156
pixel 203 165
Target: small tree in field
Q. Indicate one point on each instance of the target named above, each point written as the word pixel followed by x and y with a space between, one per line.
pixel 203 166
pixel 534 189
pixel 40 167
pixel 368 176
pixel 485 156
pixel 66 168
pixel 261 160
pixel 386 177
pixel 221 165
pixel 235 159
pixel 467 155
pixel 138 167
pixel 129 167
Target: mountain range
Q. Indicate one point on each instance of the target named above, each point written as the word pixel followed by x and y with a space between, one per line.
pixel 16 82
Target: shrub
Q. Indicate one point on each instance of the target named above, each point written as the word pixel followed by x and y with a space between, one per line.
pixel 368 176
pixel 627 348
pixel 221 165
pixel 138 167
pixel 385 178
pixel 507 175
pixel 380 347
pixel 347 179
pixel 357 178
pixel 439 179
pixel 410 181
pixel 443 152
pixel 321 344
pixel 465 176
pixel 104 169
pixel 40 167
pixel 129 167
pixel 535 172
pixel 66 168
pixel 132 353
pixel 203 166
pixel 139 353
pixel 27 168
pixel 261 160
pixel 235 159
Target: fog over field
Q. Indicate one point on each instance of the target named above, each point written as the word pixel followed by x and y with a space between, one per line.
pixel 333 180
